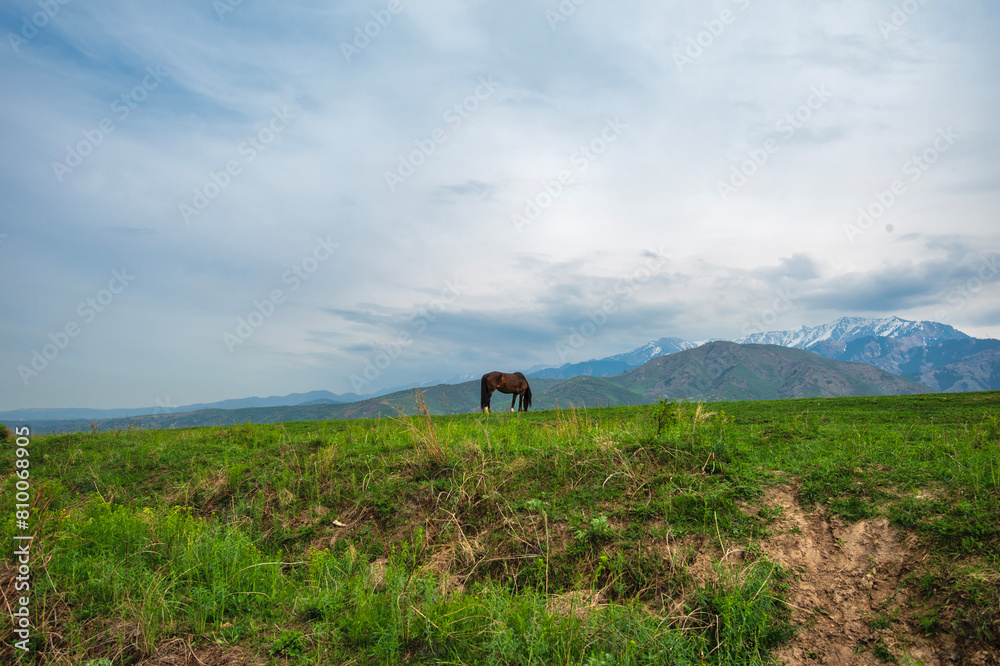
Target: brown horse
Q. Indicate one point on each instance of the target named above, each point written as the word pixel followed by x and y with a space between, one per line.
pixel 506 383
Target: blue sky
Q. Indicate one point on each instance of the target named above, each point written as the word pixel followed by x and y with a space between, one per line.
pixel 211 200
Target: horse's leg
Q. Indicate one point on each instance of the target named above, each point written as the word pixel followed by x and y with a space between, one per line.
pixel 513 399
pixel 486 407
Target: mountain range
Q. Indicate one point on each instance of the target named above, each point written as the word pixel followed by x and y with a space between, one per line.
pixel 850 356
pixel 848 329
pixel 930 353
pixel 936 355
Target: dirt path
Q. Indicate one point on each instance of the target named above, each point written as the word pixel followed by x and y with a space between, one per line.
pixel 849 598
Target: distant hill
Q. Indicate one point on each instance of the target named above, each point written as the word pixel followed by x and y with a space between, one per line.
pixel 82 414
pixel 730 371
pixel 619 363
pixel 934 354
pixel 976 372
pixel 827 340
pixel 714 371
pixel 587 391
pixel 652 350
pixel 913 349
pixel 949 365
pixel 596 368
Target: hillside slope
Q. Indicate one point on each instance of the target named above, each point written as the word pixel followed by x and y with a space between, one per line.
pixel 730 371
pixel 932 353
pixel 977 372
pixel 949 365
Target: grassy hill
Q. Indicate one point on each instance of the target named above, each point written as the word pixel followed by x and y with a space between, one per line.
pixel 851 530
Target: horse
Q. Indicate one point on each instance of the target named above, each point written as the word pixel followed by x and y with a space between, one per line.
pixel 505 383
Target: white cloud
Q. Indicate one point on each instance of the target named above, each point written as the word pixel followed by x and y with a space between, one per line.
pixel 481 157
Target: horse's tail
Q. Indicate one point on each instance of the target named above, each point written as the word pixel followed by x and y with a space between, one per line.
pixel 527 396
pixel 484 394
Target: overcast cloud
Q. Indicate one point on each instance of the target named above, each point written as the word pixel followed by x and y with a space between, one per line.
pixel 211 200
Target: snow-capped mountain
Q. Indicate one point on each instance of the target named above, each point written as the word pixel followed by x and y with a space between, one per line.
pixel 925 351
pixel 651 350
pixel 617 364
pixel 848 329
pixel 929 352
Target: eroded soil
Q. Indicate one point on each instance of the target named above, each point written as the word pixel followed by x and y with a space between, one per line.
pixel 851 597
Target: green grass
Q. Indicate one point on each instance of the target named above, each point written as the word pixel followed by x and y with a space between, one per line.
pixel 571 536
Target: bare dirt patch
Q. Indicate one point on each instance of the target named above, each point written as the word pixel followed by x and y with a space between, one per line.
pixel 579 603
pixel 177 652
pixel 849 600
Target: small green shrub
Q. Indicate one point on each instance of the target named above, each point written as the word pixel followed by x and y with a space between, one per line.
pixel 289 643
pixel 596 531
